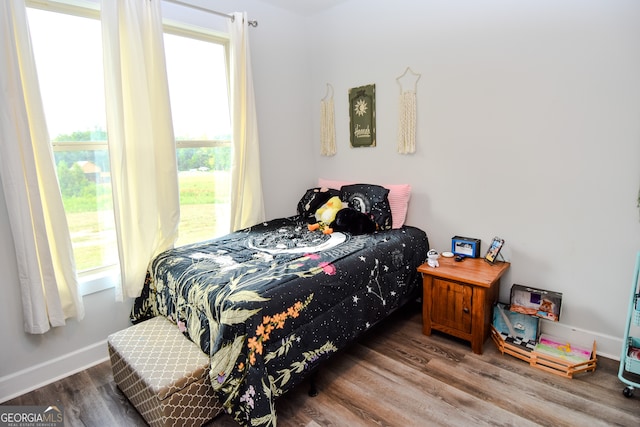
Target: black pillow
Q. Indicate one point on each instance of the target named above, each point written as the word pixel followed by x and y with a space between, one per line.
pixel 313 198
pixel 369 199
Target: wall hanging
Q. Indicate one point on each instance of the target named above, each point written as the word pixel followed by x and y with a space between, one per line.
pixel 362 115
pixel 327 124
pixel 408 83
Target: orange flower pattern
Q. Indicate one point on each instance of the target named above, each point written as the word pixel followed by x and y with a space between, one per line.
pixel 269 323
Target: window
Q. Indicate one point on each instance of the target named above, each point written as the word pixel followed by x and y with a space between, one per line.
pixel 67 47
pixel 68 54
pixel 197 73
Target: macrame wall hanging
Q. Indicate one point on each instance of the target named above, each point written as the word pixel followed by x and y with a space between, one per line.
pixel 408 83
pixel 327 124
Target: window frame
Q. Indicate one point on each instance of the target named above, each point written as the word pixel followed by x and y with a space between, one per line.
pixel 186 30
pixel 107 276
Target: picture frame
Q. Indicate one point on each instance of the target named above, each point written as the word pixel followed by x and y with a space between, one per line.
pixel 362 116
pixel 466 246
pixel 494 249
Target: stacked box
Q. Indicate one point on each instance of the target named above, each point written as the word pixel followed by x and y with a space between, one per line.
pixel 515 331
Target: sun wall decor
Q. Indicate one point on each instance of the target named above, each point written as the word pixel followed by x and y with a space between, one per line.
pixel 362 115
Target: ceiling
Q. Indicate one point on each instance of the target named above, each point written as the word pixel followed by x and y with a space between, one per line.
pixel 304 7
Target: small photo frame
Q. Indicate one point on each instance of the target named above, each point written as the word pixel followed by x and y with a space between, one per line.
pixel 466 246
pixel 494 249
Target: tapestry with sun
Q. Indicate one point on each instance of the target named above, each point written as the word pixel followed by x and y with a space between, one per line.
pixel 362 115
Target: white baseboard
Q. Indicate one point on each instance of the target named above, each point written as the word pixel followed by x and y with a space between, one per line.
pixel 606 345
pixel 34 377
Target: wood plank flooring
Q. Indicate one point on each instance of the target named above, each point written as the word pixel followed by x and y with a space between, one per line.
pixel 395 376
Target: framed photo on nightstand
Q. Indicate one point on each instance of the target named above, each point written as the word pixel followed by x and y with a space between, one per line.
pixel 465 246
pixel 494 249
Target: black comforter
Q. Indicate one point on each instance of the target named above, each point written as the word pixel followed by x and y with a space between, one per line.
pixel 271 302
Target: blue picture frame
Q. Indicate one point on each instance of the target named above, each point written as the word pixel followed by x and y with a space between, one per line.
pixel 465 246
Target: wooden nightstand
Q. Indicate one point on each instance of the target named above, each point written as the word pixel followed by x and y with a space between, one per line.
pixel 458 298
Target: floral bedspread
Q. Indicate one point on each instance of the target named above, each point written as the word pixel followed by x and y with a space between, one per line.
pixel 271 302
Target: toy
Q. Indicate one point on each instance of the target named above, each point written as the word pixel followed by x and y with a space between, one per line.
pixel 433 256
pixel 312 200
pixel 354 222
pixel 326 214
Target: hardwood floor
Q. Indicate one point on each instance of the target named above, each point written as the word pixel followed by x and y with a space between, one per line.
pixel 395 376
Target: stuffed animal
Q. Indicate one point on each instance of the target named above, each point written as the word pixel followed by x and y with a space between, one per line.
pixel 326 214
pixel 353 221
pixel 312 200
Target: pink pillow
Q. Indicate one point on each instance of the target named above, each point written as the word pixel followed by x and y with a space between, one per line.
pixel 399 195
pixel 334 184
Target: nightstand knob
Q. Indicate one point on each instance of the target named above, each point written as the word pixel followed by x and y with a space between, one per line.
pixel 466 310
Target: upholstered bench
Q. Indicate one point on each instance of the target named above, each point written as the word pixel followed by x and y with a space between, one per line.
pixel 163 374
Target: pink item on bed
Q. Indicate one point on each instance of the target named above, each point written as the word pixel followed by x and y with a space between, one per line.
pixel 399 195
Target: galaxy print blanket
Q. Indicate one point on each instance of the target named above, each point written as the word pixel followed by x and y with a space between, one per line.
pixel 272 302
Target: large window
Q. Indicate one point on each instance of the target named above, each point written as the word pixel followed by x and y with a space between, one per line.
pixel 68 54
pixel 68 51
pixel 197 73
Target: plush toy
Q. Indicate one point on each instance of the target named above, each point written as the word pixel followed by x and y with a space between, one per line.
pixel 326 214
pixel 354 222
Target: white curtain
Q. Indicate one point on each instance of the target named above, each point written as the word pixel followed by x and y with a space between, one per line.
pixel 247 205
pixel 142 149
pixel 46 266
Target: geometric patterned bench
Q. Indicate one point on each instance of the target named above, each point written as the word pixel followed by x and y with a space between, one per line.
pixel 163 374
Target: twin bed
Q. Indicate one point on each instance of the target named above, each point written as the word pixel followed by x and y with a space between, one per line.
pixel 270 303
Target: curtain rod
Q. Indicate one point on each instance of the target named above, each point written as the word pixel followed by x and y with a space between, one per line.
pixel 215 12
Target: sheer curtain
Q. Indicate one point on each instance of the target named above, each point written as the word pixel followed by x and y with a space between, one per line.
pixel 46 266
pixel 144 174
pixel 247 205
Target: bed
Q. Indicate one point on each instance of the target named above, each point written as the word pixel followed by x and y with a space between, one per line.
pixel 270 303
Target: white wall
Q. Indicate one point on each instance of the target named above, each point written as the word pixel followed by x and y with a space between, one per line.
pixel 527 128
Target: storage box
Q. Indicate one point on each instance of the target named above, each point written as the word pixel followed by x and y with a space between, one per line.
pixel 536 302
pixel 466 246
pixel 517 325
pixel 163 374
